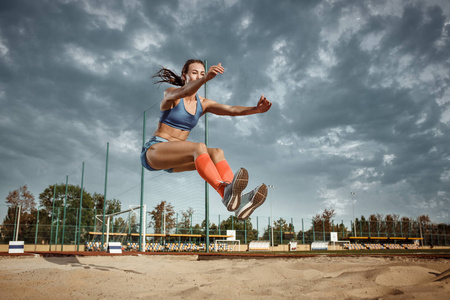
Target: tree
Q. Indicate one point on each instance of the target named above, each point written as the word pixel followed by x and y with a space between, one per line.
pixel 322 223
pixel 22 197
pixel 185 223
pixel 71 220
pixel 241 228
pixel 28 212
pixel 163 210
pixel 279 226
pixel 111 206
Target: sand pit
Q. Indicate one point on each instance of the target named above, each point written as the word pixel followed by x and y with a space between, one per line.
pixel 175 277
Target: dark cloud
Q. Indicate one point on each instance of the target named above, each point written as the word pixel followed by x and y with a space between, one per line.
pixel 360 93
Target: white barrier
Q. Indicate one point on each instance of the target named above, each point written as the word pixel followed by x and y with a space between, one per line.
pixel 319 246
pixel 259 245
pixel 115 247
pixel 16 247
pixel 292 246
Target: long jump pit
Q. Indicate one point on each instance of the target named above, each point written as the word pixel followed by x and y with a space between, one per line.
pixel 149 275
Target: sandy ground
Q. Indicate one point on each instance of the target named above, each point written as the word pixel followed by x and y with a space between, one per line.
pixel 183 277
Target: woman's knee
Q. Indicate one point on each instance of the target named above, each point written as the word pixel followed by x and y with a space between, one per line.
pixel 216 154
pixel 200 148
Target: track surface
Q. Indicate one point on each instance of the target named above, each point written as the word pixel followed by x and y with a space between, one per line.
pixel 420 254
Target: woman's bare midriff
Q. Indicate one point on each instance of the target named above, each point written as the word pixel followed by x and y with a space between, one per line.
pixel 171 134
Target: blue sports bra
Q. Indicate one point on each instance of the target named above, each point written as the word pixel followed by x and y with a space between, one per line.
pixel 178 117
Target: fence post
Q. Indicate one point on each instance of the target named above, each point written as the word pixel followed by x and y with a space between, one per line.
pixel 81 207
pixel 245 231
pixel 141 209
pixel 15 225
pixel 76 225
pixel 64 216
pixel 303 232
pixel 323 229
pixel 104 196
pixel 257 228
pixel 314 230
pixel 281 233
pixel 37 229
pixel 57 228
pixel 53 213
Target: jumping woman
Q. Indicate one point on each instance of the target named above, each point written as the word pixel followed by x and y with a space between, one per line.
pixel 169 150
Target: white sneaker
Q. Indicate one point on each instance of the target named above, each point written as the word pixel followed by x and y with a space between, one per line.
pixel 232 192
pixel 251 201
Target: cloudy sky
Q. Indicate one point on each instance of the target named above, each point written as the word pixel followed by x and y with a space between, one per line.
pixel 360 92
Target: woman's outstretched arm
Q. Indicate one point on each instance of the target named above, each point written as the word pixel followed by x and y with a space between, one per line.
pixel 237 110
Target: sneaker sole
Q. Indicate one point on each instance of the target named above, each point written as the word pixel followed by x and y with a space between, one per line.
pixel 258 199
pixel 239 184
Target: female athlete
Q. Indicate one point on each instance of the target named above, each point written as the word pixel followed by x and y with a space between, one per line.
pixel 169 150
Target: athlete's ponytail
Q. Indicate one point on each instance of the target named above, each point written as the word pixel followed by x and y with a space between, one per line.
pixel 173 78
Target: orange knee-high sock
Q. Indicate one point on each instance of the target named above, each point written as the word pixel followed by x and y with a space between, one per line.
pixel 207 170
pixel 225 171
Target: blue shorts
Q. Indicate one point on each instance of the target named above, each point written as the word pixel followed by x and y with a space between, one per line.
pixel 152 141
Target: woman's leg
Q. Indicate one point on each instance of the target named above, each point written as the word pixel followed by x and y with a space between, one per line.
pixel 183 156
pixel 218 158
pixel 221 164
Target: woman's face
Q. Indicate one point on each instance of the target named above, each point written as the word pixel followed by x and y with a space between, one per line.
pixel 195 71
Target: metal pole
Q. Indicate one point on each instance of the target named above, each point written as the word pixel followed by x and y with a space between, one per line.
pixel 15 223
pixel 37 229
pixel 314 231
pixel 76 224
pixel 281 233
pixel 206 184
pixel 323 229
pixel 257 228
pixel 104 194
pixel 142 191
pixel 353 205
pixel 53 213
pixel 303 232
pixel 271 216
pixel 65 208
pixel 81 205
pixel 245 231
pixel 18 223
pixel 57 227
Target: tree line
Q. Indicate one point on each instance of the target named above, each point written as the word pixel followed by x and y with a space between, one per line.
pixel 163 219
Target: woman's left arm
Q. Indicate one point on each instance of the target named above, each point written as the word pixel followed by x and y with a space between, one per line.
pixel 228 110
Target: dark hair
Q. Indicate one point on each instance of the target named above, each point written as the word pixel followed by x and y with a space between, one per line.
pixel 169 76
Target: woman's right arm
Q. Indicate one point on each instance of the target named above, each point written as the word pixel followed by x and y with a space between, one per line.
pixel 190 88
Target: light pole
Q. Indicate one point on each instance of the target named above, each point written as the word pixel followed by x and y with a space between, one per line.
pixel 353 205
pixel 271 219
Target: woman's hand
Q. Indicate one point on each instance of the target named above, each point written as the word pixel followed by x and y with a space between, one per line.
pixel 263 104
pixel 213 71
